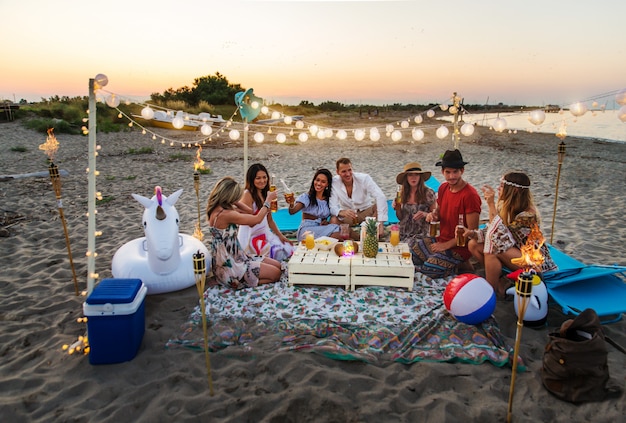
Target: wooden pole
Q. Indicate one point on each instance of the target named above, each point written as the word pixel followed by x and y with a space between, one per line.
pixel 561 156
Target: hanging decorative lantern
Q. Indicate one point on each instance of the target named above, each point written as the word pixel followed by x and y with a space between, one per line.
pixel 442 132
pixel 374 135
pixel 178 121
pixel 359 134
pixel 389 128
pixel 499 124
pixel 233 134
pixel 620 97
pixel 281 138
pixel 259 137
pixel 265 110
pixel 206 129
pixel 299 124
pixel 303 137
pixel 417 134
pixel 113 101
pixel 578 109
pixel 396 135
pixel 453 110
pixel 288 120
pixel 537 117
pixel 467 129
pixel 147 113
pixel 275 115
pixel 430 113
pixel 404 124
pixel 443 107
pixel 313 129
pixel 341 134
pixel 418 119
pixel 328 133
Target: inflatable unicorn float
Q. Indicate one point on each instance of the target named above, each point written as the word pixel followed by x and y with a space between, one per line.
pixel 163 259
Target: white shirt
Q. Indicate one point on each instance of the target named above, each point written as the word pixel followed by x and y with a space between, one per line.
pixel 364 193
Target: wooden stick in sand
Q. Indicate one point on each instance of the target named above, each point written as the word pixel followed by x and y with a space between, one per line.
pixel 199 270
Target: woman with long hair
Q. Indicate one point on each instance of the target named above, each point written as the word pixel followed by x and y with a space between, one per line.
pixel 263 239
pixel 511 221
pixel 232 267
pixel 315 209
pixel 417 200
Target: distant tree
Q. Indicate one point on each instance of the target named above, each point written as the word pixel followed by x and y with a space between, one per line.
pixel 211 89
pixel 306 103
pixel 332 106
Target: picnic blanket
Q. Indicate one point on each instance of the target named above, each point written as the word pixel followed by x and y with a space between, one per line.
pixel 370 324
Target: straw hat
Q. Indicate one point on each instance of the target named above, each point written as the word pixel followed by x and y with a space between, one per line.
pixel 413 167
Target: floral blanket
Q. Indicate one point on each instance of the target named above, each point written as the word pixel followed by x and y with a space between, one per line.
pixel 371 324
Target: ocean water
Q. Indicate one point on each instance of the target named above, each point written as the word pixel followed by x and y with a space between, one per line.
pixel 603 125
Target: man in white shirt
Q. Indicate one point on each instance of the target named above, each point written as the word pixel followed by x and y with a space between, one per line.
pixel 355 196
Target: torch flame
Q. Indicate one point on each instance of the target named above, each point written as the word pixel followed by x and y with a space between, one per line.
pixel 51 145
pixel 531 258
pixel 199 163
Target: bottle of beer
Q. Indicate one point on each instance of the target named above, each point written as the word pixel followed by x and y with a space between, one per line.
pixel 273 203
pixel 399 195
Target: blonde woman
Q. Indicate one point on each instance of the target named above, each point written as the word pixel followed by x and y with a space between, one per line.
pixel 510 222
pixel 232 267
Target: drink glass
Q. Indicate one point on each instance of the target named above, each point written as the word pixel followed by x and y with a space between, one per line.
pixel 309 240
pixel 406 256
pixel 290 197
pixel 344 231
pixel 394 238
pixel 434 229
pixel 273 203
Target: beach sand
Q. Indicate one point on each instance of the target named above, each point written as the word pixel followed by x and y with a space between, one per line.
pixel 41 383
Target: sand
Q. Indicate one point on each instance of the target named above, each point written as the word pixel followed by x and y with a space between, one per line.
pixel 42 383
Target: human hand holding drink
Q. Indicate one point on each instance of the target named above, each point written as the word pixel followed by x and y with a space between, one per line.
pixel 460 232
pixel 274 202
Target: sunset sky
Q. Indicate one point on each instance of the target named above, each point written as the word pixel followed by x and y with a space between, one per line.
pixel 371 52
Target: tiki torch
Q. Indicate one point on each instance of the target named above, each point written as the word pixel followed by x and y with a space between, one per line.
pixel 198 165
pixel 199 270
pixel 561 156
pixel 523 289
pixel 50 147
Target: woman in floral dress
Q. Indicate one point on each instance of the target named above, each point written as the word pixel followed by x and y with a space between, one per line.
pixel 232 267
pixel 510 223
pixel 417 201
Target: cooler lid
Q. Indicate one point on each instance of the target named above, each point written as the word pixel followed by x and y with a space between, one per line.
pixel 115 291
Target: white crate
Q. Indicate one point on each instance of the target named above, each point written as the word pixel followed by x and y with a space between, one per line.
pixel 314 267
pixel 386 269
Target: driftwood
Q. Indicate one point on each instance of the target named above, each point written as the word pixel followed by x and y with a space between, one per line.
pixel 44 173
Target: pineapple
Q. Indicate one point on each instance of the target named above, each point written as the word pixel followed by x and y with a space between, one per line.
pixel 370 243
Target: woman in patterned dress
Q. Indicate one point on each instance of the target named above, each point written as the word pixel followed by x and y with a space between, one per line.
pixel 417 201
pixel 232 267
pixel 510 223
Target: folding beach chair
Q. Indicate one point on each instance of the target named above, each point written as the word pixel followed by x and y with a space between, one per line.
pixel 576 286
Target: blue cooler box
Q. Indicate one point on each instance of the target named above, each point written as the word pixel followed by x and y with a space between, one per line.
pixel 115 320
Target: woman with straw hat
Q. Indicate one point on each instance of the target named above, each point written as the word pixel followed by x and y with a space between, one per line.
pixel 417 200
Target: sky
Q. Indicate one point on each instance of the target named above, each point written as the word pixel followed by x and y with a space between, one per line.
pixel 354 52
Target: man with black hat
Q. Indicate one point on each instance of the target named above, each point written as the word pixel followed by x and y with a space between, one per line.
pixel 458 204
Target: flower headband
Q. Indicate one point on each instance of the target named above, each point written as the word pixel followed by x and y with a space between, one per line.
pixel 513 184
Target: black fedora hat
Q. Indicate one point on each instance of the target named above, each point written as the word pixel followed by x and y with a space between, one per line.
pixel 453 159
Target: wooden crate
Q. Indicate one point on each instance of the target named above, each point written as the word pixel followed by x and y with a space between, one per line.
pixel 318 268
pixel 386 269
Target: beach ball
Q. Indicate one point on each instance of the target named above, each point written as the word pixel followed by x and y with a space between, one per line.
pixel 469 298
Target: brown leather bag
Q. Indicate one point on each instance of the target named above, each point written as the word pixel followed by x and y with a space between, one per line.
pixel 575 366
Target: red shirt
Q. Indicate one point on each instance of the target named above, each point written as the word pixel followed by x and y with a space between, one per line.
pixel 451 205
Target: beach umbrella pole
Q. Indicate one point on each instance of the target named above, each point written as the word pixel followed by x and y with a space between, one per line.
pixel 523 289
pixel 199 270
pixel 561 156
